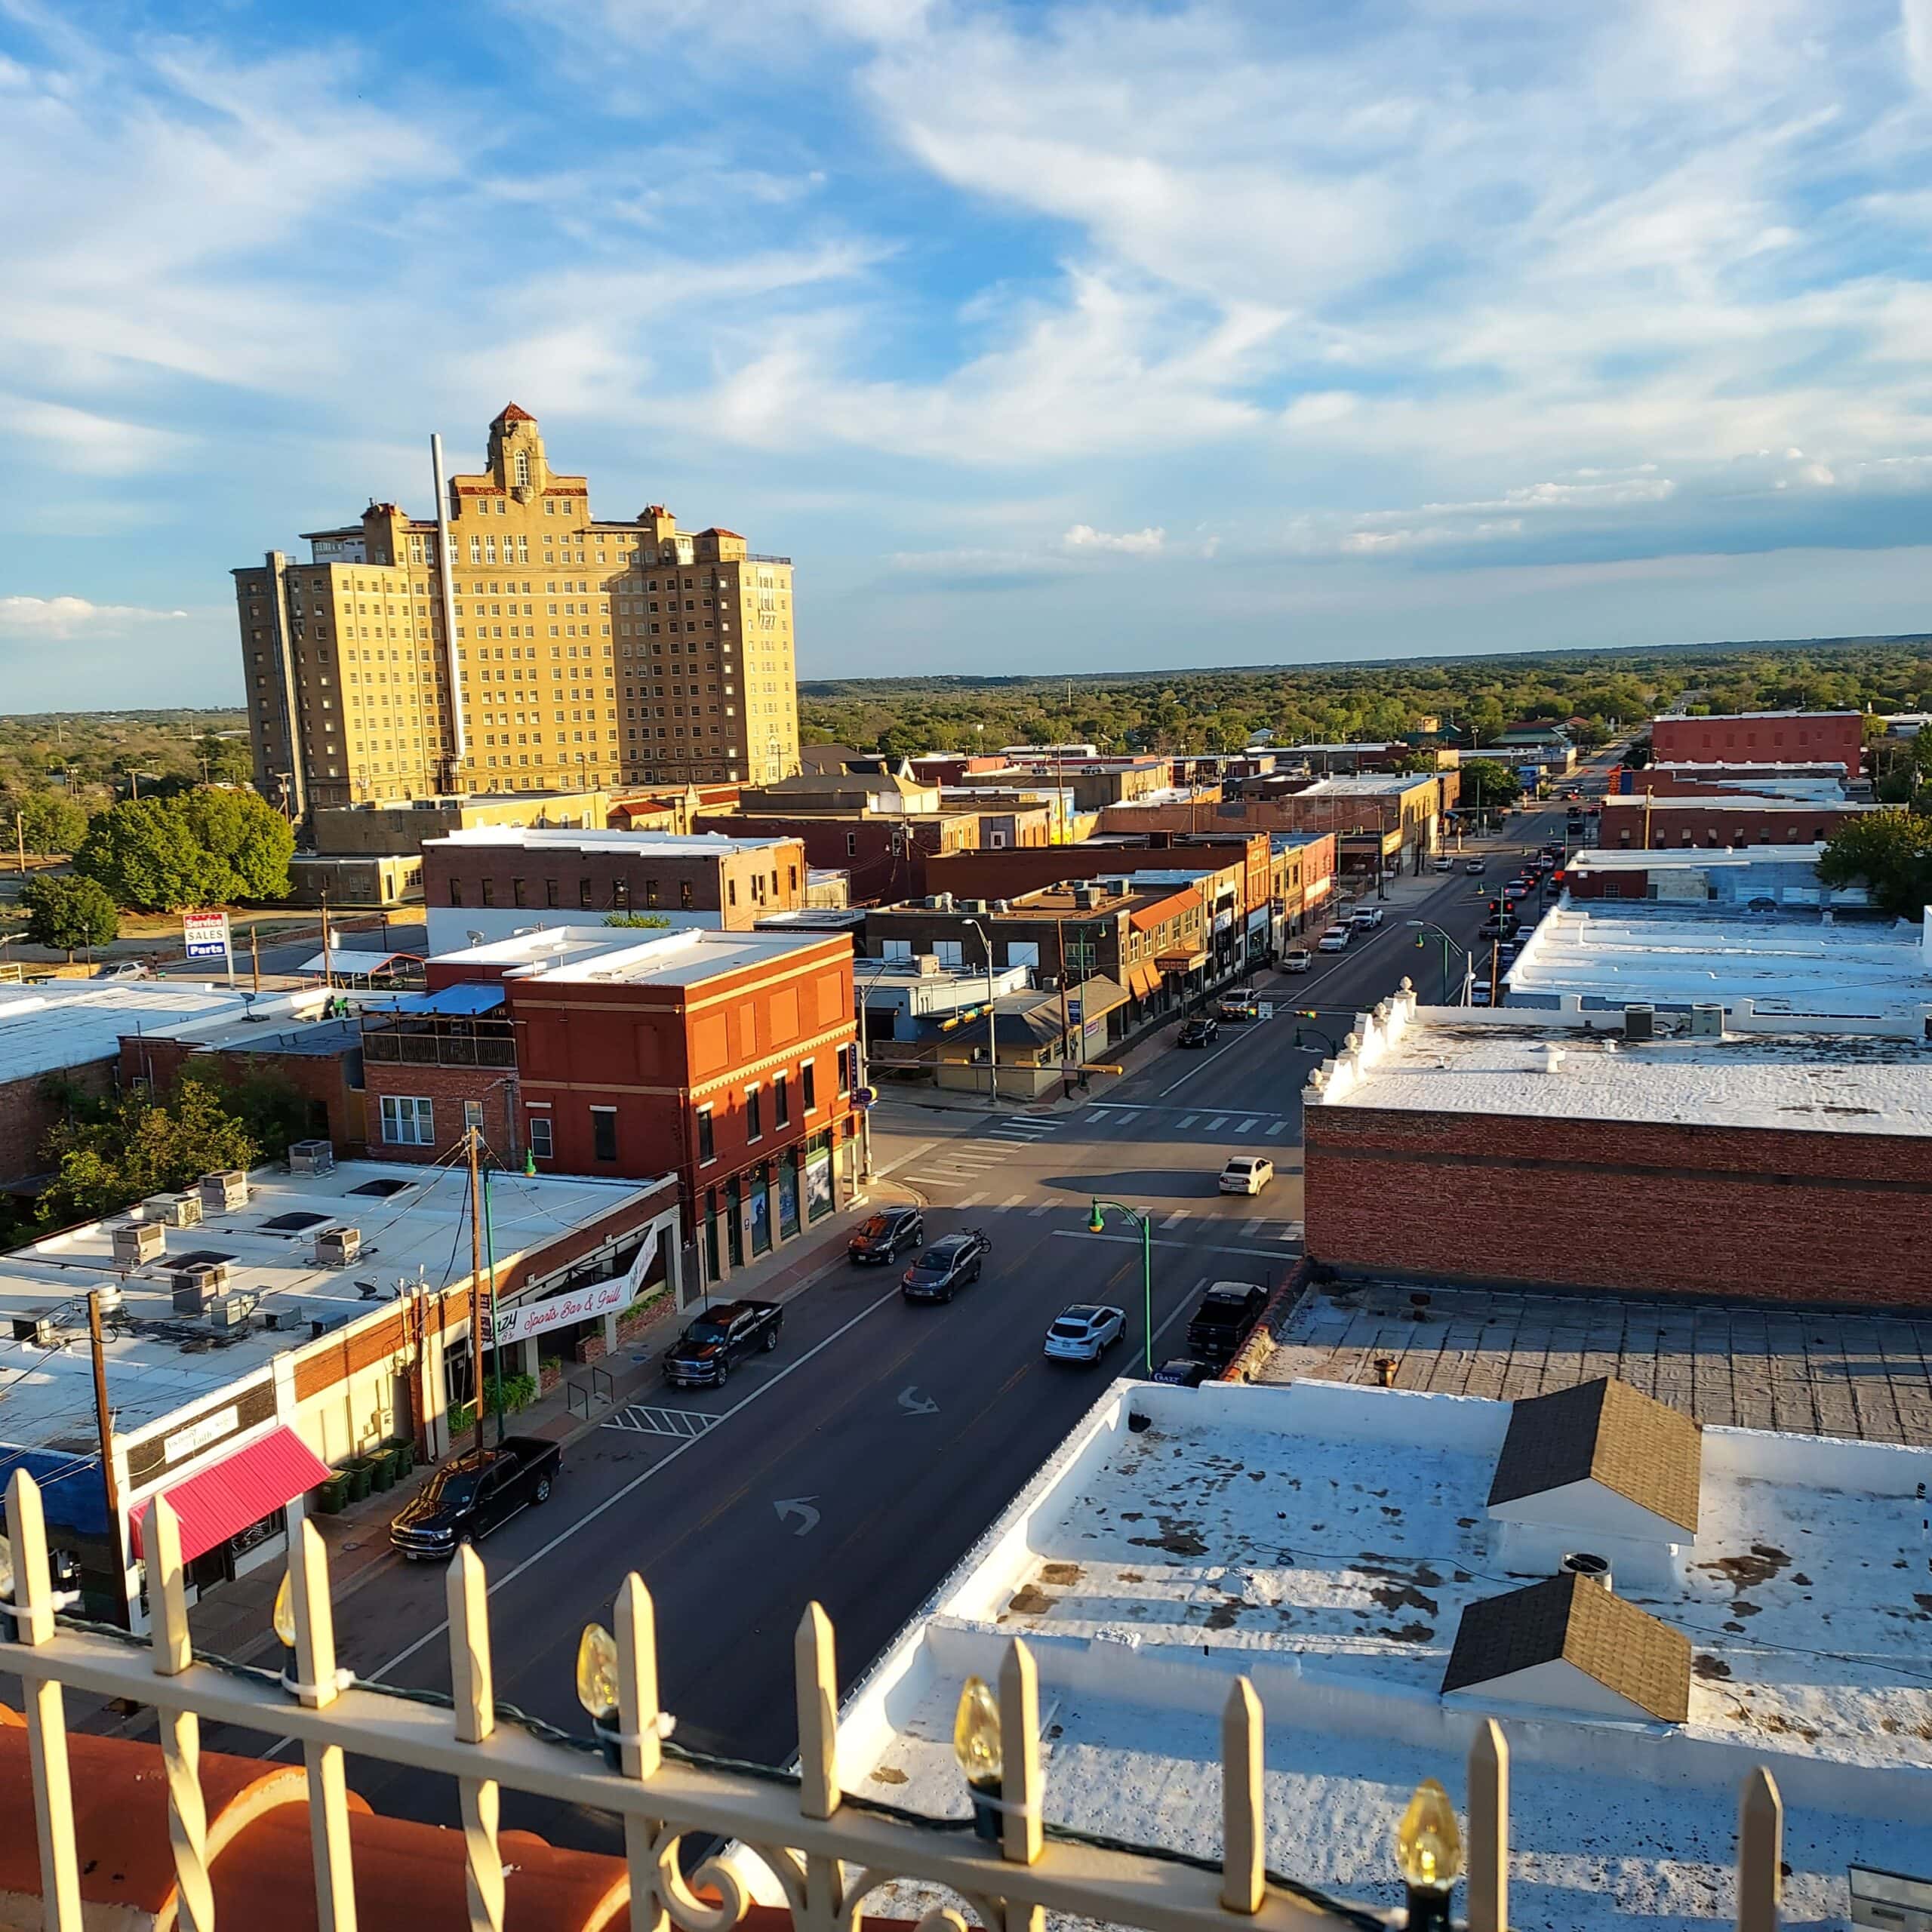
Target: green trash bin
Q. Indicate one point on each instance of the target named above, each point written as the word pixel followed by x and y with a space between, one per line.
pixel 359 1476
pixel 402 1460
pixel 331 1494
pixel 382 1469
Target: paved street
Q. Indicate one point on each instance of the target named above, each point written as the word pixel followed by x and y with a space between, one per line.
pixel 858 1461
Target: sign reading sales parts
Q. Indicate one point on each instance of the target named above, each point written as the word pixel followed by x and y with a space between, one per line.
pixel 594 1298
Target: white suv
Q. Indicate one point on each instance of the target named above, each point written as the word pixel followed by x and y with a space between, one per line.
pixel 1335 939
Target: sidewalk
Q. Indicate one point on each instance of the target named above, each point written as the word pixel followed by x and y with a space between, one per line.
pixel 235 1620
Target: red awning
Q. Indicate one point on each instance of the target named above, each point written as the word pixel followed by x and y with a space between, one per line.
pixel 239 1490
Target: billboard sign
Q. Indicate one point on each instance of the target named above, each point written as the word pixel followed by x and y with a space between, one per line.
pixel 204 935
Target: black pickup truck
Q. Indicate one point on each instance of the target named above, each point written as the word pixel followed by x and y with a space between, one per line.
pixel 472 1493
pixel 702 1356
pixel 1227 1311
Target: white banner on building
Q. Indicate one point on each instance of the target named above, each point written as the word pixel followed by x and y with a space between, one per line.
pixel 594 1298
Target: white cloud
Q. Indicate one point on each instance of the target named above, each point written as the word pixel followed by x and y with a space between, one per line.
pixel 1132 542
pixel 74 617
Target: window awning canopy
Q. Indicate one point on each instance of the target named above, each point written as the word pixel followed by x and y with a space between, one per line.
pixel 239 1490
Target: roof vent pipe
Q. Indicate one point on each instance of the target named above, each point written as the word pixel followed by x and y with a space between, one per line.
pixel 1553 1059
pixel 1586 1563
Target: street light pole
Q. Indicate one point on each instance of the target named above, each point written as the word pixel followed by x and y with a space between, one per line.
pixel 992 1044
pixel 1097 1224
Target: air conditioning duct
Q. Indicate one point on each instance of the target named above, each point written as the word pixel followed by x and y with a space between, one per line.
pixel 230 1313
pixel 290 1316
pixel 222 1193
pixel 196 1286
pixel 338 1247
pixel 311 1157
pixel 135 1242
pixel 177 1210
pixel 1640 1023
pixel 1707 1022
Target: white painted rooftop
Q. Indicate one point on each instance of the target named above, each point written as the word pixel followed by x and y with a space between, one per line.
pixel 1613 952
pixel 1386 783
pixel 1730 802
pixel 1727 717
pixel 70 1022
pixel 1499 1061
pixel 643 845
pixel 157 1360
pixel 579 955
pixel 1638 859
pixel 1324 1541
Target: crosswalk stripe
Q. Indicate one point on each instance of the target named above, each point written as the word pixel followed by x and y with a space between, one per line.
pixel 1044 1208
pixel 1174 1219
pixel 935 1180
pixel 1218 1120
pixel 1187 1120
pixel 1277 1126
pixel 1247 1227
pixel 1244 1126
pixel 1290 1231
pixel 1013 1201
pixel 972 1200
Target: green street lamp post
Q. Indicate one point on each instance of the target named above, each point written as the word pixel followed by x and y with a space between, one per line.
pixel 1429 925
pixel 1097 1224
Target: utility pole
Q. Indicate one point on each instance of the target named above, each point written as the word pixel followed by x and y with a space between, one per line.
pixel 20 842
pixel 255 954
pixel 103 1422
pixel 476 1286
pixel 328 962
pixel 1059 945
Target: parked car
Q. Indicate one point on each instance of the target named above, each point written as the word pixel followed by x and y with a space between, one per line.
pixel 1499 928
pixel 1475 867
pixel 1081 1333
pixel 1335 939
pixel 1247 1174
pixel 1222 1321
pixel 880 1238
pixel 471 1493
pixel 121 969
pixel 1479 993
pixel 702 1356
pixel 1370 916
pixel 946 1266
pixel 1444 863
pixel 1199 1032
pixel 1183 1372
pixel 1240 1008
pixel 1298 959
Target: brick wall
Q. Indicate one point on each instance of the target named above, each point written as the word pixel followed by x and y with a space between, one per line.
pixel 1762 1213
pixel 446 1088
pixel 27 1115
pixel 1823 734
pixel 1622 825
pixel 740 888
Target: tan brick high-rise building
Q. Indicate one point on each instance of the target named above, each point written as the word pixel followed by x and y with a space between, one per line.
pixel 587 652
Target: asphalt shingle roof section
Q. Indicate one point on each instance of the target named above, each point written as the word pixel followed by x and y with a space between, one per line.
pixel 1577 1622
pixel 1606 1431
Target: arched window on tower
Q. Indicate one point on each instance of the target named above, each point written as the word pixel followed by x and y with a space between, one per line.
pixel 522 470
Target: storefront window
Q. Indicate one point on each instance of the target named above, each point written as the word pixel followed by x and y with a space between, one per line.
pixel 761 1204
pixel 818 1177
pixel 788 1197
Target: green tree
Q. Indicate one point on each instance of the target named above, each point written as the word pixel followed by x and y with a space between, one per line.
pixel 67 911
pixel 246 842
pixel 111 1154
pixel 1888 853
pixel 1486 784
pixel 51 822
pixel 145 853
pixel 225 761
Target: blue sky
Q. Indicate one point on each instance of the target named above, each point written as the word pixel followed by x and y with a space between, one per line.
pixel 1051 336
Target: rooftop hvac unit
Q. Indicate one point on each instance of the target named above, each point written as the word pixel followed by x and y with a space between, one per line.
pixel 177 1210
pixel 229 1314
pixel 137 1241
pixel 1002 905
pixel 337 1247
pixel 927 965
pixel 195 1288
pixel 1707 1022
pixel 972 905
pixel 222 1193
pixel 1640 1023
pixel 944 903
pixel 289 1316
pixel 311 1157
pixel 41 1331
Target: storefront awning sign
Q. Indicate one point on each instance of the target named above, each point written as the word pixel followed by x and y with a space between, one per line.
pixel 579 1304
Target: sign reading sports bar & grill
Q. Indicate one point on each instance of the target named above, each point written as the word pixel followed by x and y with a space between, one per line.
pixel 537 1317
pixel 204 935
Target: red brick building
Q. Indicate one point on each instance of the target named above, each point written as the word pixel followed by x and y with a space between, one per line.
pixel 726 1058
pixel 1520 1149
pixel 1005 875
pixel 1736 819
pixel 1705 780
pixel 498 880
pixel 1782 736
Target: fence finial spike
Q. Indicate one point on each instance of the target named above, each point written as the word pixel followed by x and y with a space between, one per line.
pixel 1244 1825
pixel 816 1671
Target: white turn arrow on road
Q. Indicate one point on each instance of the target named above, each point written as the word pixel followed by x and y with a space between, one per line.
pixel 799 1507
pixel 915 1403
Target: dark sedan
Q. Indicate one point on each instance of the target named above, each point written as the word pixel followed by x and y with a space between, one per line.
pixel 1183 1372
pixel 946 1266
pixel 702 1357
pixel 1199 1033
pixel 888 1231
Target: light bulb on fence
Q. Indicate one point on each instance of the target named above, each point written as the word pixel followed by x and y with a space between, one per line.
pixel 1428 1846
pixel 596 1670
pixel 285 1613
pixel 976 1739
pixel 6 1568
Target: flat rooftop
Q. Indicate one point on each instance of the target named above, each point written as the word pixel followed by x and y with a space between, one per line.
pixel 583 954
pixel 1614 952
pixel 410 1217
pixel 1325 1541
pixel 1365 784
pixel 1730 802
pixel 69 1023
pixel 1449 1061
pixel 642 844
pixel 1865 1376
pixel 1640 859
pixel 1723 717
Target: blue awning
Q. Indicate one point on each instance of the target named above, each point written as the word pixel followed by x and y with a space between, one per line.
pixel 71 1489
pixel 453 1002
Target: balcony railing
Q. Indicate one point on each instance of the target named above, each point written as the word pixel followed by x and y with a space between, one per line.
pixel 395 1045
pixel 827 1851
